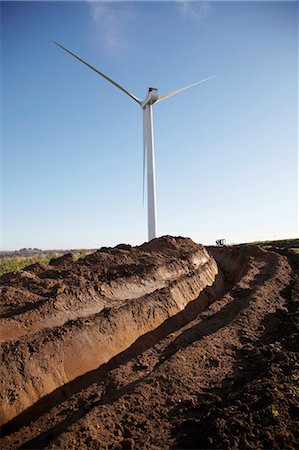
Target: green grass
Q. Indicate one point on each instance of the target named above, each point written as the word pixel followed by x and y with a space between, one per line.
pixel 283 243
pixel 289 244
pixel 16 262
pixel 13 263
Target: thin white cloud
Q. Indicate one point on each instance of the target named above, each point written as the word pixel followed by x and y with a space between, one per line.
pixel 195 9
pixel 112 20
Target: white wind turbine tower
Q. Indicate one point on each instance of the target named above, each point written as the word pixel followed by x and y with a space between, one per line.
pixel 148 138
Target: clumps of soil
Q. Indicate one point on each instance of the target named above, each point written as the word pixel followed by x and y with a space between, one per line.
pixel 220 373
pixel 258 406
pixel 63 260
pixel 75 316
pixel 257 409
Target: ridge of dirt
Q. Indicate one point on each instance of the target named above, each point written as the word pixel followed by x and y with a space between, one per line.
pixel 41 296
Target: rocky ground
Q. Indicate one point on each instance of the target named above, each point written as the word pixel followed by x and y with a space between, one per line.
pixel 213 365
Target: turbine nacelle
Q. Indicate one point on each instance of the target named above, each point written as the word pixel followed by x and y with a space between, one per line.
pixel 152 97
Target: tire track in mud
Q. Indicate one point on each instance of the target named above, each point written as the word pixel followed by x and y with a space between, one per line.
pixel 257 407
pixel 193 351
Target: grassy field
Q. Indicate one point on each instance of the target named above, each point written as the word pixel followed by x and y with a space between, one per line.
pixel 16 262
pixel 289 244
pixel 13 263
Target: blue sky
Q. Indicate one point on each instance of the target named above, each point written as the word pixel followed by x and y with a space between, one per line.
pixel 226 150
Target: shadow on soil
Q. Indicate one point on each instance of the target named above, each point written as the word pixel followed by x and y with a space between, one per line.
pixel 171 325
pixel 193 309
pixel 240 300
pixel 243 411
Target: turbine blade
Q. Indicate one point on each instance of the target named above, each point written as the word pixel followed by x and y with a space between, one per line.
pixel 144 153
pixel 100 73
pixel 163 97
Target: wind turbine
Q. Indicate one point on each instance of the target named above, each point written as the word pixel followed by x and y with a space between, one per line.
pixel 148 138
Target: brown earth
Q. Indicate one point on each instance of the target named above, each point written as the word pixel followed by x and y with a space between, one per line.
pixel 152 347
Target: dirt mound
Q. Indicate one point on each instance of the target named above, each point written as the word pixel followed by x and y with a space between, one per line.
pixel 66 259
pixel 66 321
pixel 216 367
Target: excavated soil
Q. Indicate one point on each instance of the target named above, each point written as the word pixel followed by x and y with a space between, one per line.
pixel 166 345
